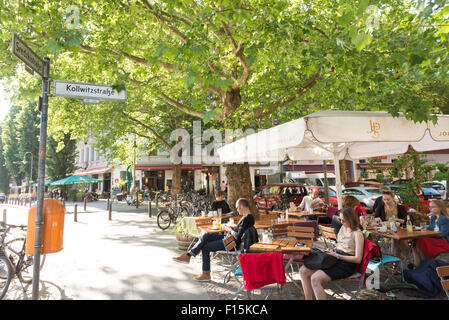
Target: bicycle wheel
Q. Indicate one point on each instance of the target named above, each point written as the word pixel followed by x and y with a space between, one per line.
pixel 5 275
pixel 164 219
pixel 15 249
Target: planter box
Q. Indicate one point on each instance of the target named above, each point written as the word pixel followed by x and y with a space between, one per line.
pixel 184 241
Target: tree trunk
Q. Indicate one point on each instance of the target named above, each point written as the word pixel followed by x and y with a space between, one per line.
pixel 238 175
pixel 177 174
pixel 239 186
pixel 176 180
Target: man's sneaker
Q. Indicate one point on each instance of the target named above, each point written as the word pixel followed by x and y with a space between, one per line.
pixel 183 258
pixel 203 277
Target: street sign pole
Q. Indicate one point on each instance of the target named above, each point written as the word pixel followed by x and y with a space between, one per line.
pixel 41 179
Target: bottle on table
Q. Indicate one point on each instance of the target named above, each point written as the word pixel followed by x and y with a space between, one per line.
pixel 409 225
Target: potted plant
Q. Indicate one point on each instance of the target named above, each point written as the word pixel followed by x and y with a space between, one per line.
pixel 182 237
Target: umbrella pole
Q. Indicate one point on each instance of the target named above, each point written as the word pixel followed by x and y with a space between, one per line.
pixel 337 176
pixel 326 184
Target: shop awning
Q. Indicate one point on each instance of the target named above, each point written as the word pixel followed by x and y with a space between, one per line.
pixel 96 170
pixel 168 167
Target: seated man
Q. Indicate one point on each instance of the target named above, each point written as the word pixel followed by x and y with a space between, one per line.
pixel 312 201
pixel 214 242
pixel 220 203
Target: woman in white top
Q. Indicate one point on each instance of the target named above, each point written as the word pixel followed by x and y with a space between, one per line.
pixel 349 252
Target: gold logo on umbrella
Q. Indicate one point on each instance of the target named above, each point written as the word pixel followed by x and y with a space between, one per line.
pixel 375 127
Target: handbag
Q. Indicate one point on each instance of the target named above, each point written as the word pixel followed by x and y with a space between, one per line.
pixel 319 260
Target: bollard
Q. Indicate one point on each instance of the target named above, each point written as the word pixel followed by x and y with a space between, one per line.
pixel 107 207
pixel 26 202
pixel 149 209
pixel 137 200
pixel 4 217
pixel 85 203
pixel 110 211
pixel 75 213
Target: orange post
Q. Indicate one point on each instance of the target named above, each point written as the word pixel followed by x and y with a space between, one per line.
pixel 52 229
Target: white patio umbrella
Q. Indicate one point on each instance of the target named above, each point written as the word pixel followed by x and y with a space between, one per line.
pixel 336 135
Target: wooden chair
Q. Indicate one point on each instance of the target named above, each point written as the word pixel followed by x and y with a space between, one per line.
pixel 443 272
pixel 301 233
pixel 328 233
pixel 231 252
pixel 202 221
pixel 280 230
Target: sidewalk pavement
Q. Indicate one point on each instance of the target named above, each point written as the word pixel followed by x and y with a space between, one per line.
pixel 126 258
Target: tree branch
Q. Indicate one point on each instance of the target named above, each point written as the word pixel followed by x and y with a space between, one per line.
pixel 185 109
pixel 238 52
pixel 174 30
pixel 153 132
pixel 310 83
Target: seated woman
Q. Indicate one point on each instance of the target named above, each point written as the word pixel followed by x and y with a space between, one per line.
pixel 214 242
pixel 348 201
pixel 386 211
pixel 431 247
pixel 349 252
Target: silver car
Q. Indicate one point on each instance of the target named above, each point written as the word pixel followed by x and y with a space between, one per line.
pixel 366 195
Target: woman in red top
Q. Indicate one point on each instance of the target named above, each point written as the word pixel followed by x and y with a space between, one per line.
pixel 360 210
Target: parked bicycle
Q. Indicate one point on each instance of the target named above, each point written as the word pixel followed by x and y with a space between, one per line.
pixel 170 213
pixel 13 259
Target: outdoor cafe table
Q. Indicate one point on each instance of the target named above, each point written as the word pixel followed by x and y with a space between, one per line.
pixel 403 234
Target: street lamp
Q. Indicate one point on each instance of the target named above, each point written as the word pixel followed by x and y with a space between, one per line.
pixel 31 168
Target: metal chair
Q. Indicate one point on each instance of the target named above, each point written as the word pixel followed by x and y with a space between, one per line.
pixel 244 273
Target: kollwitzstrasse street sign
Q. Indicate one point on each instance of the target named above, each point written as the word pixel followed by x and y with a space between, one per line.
pixel 29 57
pixel 87 91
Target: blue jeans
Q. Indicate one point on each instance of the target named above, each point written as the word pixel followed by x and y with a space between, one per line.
pixel 206 244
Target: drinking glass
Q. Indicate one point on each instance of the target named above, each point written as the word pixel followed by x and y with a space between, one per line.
pixel 423 226
pixel 219 222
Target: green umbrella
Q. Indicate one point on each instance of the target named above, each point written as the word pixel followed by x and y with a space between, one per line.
pixel 75 179
pixel 47 183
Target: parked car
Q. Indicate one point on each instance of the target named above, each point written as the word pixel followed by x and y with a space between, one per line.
pixel 2 197
pixel 333 200
pixel 366 195
pixel 428 193
pixel 272 195
pixel 439 186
